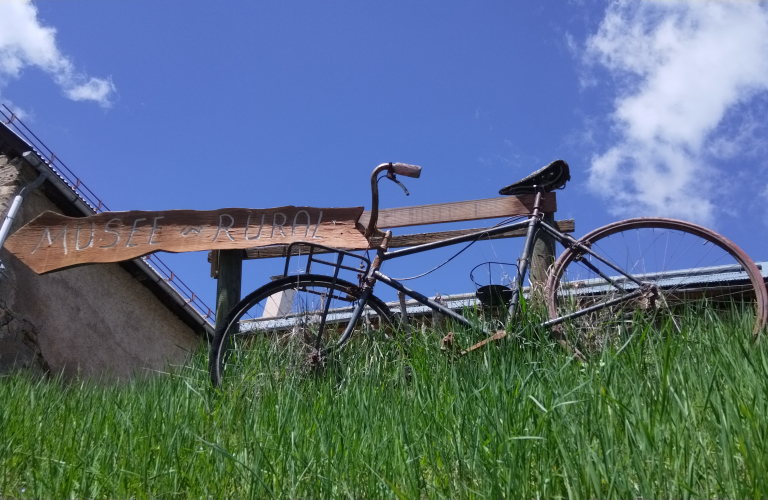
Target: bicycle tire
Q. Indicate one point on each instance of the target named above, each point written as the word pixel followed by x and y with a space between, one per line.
pixel 282 319
pixel 685 262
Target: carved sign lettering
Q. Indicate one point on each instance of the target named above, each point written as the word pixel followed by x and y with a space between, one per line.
pixel 52 241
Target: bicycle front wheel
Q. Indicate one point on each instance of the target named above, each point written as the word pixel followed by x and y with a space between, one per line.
pixel 292 308
pixel 675 269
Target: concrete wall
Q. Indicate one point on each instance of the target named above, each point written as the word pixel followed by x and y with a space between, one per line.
pixel 94 320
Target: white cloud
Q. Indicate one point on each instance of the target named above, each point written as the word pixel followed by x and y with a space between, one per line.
pixel 680 68
pixel 24 41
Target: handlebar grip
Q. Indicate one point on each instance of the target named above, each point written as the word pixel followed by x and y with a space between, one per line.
pixel 407 170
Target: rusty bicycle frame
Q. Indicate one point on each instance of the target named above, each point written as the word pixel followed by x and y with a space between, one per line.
pixel 533 223
pixel 646 288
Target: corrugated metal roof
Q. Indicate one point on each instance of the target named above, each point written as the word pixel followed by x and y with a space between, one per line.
pixel 674 279
pixel 687 277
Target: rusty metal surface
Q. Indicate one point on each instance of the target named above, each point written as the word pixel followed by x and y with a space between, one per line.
pixel 493 338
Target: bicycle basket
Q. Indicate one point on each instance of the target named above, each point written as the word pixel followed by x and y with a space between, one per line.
pixel 493 295
pixel 310 250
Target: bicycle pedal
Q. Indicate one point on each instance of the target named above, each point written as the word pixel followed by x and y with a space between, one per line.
pixel 447 343
pixel 449 346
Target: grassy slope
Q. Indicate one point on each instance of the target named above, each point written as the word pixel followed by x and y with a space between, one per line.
pixel 667 416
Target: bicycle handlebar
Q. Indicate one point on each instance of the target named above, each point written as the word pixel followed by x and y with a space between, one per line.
pixel 391 168
pixel 406 170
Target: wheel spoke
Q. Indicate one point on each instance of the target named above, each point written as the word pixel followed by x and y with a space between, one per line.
pixel 292 310
pixel 684 264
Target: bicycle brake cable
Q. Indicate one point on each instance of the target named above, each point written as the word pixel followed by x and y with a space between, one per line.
pixel 505 221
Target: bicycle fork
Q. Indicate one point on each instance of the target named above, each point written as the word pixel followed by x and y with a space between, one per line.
pixel 367 290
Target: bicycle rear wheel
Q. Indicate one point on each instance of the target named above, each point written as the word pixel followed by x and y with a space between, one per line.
pixel 681 266
pixel 292 308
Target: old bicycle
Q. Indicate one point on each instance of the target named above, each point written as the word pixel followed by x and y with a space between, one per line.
pixel 655 266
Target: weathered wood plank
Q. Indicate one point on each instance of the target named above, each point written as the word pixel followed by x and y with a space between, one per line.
pixel 52 241
pixel 457 211
pixel 407 240
pixel 542 257
pixel 228 282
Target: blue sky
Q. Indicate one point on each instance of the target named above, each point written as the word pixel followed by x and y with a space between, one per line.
pixel 659 108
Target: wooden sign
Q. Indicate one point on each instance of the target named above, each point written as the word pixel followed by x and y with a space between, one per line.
pixel 52 241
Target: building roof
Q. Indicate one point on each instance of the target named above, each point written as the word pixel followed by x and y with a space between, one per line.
pixel 75 199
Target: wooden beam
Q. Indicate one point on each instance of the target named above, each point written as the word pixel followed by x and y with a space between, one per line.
pixel 213 258
pixel 407 240
pixel 457 211
pixel 228 282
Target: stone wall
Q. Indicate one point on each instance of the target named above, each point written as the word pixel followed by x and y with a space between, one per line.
pixel 95 320
pixel 18 343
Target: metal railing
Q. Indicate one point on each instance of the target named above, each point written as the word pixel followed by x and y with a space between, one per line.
pixel 12 121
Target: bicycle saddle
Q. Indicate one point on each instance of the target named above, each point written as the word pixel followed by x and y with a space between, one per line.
pixel 553 176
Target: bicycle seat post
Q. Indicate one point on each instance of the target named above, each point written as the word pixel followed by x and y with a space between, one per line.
pixel 525 259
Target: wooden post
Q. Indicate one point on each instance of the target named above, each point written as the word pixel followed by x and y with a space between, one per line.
pixel 228 282
pixel 542 257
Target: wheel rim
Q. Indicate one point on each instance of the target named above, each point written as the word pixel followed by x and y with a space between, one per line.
pixel 290 311
pixel 682 262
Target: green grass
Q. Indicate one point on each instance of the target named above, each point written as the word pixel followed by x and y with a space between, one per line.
pixel 656 415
